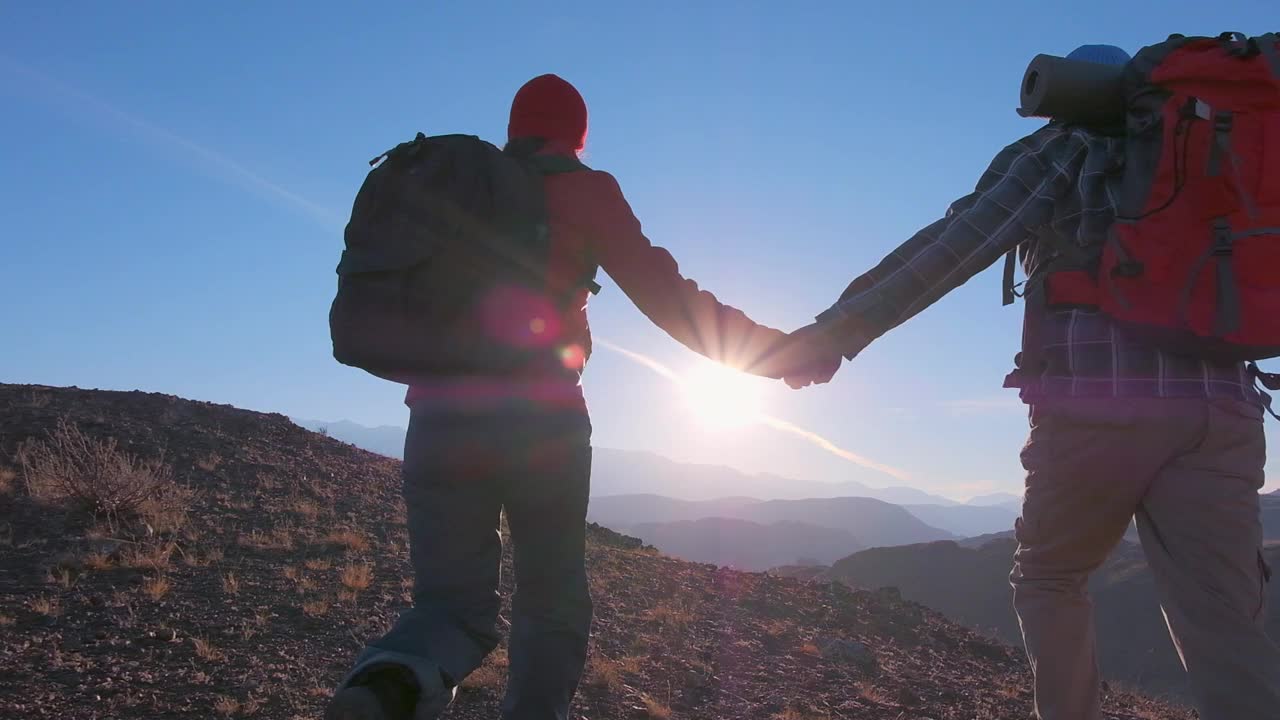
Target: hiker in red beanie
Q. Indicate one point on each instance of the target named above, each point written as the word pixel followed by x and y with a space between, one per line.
pixel 484 445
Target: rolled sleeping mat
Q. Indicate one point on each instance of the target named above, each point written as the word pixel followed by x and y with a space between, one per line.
pixel 1073 91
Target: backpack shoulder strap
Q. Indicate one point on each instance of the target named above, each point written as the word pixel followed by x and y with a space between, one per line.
pixel 547 165
pixel 1267 47
pixel 556 164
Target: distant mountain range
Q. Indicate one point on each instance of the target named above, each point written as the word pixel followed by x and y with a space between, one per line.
pixel 763 533
pixel 971 586
pixel 747 545
pixel 628 472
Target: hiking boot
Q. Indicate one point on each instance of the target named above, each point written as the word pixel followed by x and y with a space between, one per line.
pixel 389 694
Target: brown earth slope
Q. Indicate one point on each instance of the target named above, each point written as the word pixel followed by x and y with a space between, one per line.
pixel 242 587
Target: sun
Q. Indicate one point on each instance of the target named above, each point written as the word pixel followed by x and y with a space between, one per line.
pixel 721 398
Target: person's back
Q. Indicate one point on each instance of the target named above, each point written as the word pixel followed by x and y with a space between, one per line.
pixel 484 445
pixel 1120 428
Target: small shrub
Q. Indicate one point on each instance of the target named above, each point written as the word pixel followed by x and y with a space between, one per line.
pixel 357 576
pixel 94 476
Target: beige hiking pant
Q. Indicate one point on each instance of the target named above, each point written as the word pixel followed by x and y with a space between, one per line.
pixel 1190 471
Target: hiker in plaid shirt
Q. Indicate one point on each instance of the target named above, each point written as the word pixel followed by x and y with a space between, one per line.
pixel 1118 430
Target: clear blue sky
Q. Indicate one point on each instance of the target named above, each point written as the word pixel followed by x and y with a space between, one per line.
pixel 175 179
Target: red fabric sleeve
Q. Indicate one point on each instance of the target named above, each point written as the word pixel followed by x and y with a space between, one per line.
pixel 651 278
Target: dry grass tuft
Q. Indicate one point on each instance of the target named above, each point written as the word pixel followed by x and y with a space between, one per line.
pixel 45 605
pixel 317 564
pixel 315 608
pixel 604 673
pixel 214 555
pixel 278 539
pixel 96 561
pixel 655 708
pixel 157 556
pixel 205 650
pixel 794 713
pixel 357 576
pixel 348 540
pixel 492 675
pixel 226 706
pixel 672 618
pixel 61 577
pixel 96 477
pixel 230 584
pixel 156 587
pixel 869 691
pixel 6 621
pixel 209 462
pixel 811 649
pixel 8 480
pixel 305 509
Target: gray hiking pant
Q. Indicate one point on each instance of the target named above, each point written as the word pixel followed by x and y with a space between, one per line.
pixel 461 470
pixel 1190 471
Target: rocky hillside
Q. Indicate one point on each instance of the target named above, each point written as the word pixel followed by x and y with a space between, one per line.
pixel 167 559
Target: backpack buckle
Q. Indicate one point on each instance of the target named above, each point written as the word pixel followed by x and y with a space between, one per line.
pixel 1128 269
pixel 1223 240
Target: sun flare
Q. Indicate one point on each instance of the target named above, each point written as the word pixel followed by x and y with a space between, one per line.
pixel 722 398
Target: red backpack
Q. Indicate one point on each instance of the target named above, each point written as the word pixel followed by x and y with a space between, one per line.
pixel 1193 260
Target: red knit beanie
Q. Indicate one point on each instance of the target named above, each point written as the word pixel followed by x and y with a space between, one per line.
pixel 550 108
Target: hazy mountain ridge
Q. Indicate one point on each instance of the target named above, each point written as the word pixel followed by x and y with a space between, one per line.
pixel 631 472
pixel 872 523
pixel 747 545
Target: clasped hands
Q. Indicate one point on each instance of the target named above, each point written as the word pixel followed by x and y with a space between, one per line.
pixel 808 357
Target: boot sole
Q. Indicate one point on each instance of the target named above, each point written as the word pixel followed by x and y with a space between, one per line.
pixel 355 703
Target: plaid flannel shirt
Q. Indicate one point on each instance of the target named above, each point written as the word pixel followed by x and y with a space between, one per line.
pixel 1057 180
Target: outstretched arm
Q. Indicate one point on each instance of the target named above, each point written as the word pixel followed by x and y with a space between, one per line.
pixel 652 280
pixel 1018 193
